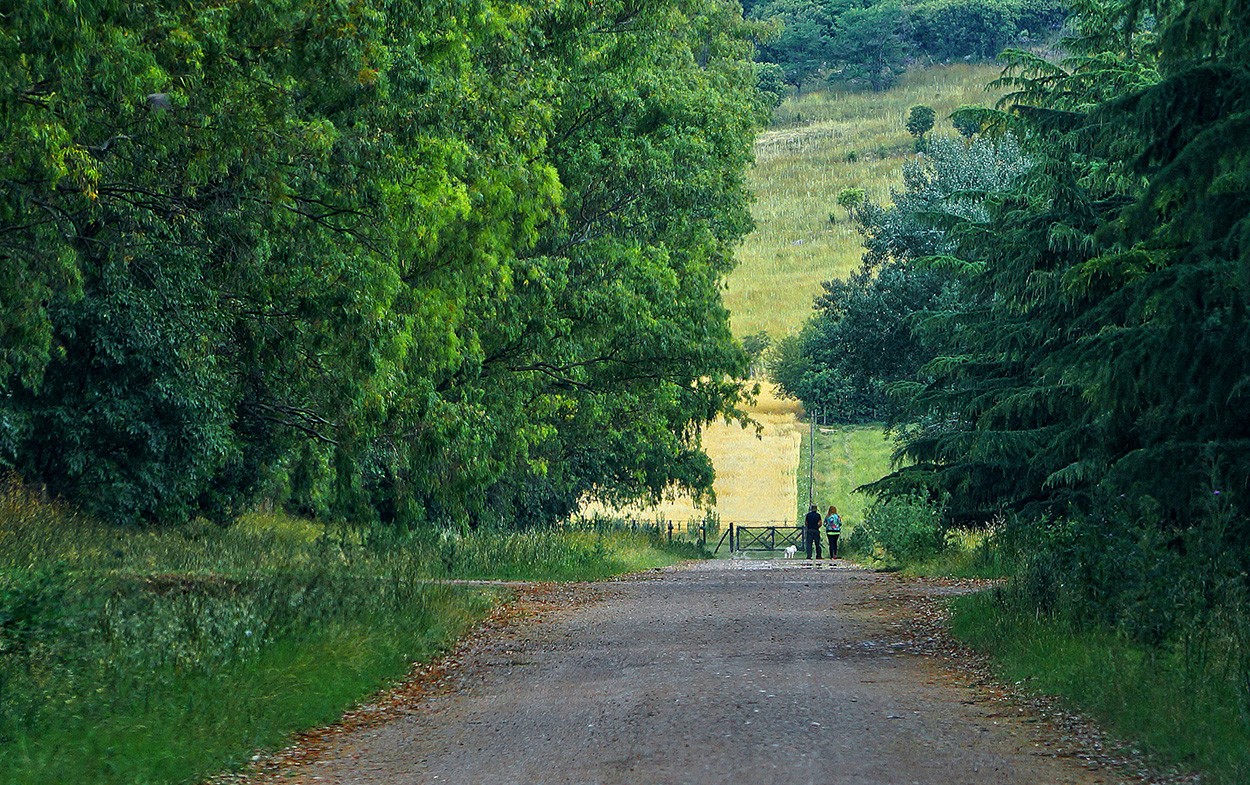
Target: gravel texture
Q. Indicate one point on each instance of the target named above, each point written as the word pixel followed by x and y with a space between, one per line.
pixel 737 671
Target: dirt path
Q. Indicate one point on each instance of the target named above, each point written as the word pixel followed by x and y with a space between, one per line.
pixel 722 672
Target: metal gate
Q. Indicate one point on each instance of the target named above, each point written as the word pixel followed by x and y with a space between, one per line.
pixel 762 538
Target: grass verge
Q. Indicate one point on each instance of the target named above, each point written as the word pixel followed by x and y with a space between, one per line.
pixel 164 656
pixel 179 728
pixel 1181 713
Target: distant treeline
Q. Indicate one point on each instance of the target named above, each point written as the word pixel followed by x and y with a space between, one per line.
pixel 871 42
pixel 405 261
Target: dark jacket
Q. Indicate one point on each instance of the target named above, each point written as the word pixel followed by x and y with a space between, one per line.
pixel 813 520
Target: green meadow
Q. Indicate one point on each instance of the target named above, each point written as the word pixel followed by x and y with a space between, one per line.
pixel 846 457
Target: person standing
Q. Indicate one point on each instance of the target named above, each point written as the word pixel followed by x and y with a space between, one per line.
pixel 833 529
pixel 811 532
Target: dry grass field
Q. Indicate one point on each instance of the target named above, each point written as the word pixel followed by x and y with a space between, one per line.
pixel 755 470
pixel 821 143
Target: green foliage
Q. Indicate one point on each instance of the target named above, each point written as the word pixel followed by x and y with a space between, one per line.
pixel 1103 347
pixel 1087 380
pixel 859 343
pixel 801 46
pixel 787 364
pixel 865 339
pixel 390 261
pixel 756 347
pixel 851 199
pixel 771 81
pixel 968 120
pixel 951 29
pixel 900 530
pixel 867 45
pixel 920 120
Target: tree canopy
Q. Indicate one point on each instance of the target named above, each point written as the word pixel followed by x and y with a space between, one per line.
pixel 1095 354
pixel 406 261
pixel 870 42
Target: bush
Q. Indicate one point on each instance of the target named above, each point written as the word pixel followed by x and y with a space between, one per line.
pixel 901 529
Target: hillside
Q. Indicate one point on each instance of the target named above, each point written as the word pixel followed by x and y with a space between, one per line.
pixel 819 144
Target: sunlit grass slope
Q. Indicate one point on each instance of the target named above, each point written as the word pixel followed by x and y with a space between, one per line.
pixel 847 456
pixel 820 143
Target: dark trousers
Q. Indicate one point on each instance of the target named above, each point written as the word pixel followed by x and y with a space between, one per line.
pixel 811 537
pixel 833 545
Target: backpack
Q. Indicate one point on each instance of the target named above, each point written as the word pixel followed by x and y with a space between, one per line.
pixel 833 524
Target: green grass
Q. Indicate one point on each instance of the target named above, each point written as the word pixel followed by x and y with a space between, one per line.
pixel 847 456
pixel 968 554
pixel 1181 712
pixel 801 165
pixel 164 656
pixel 182 729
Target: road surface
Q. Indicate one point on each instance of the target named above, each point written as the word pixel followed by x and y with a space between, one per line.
pixel 774 672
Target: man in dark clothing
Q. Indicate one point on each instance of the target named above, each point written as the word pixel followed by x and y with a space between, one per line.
pixel 811 532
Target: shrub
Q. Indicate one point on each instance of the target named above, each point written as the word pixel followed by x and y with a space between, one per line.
pixel 920 120
pixel 901 529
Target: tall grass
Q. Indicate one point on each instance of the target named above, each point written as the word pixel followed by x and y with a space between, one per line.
pixel 821 143
pixel 1174 701
pixel 123 720
pixel 162 656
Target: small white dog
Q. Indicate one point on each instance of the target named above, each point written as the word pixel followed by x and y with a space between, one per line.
pixel 790 551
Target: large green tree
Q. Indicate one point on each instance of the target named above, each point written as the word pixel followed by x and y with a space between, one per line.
pixel 610 347
pixel 866 335
pixel 1108 359
pixel 866 44
pixel 270 246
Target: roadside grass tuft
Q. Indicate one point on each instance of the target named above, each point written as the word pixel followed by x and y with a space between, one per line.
pixel 968 554
pixel 553 554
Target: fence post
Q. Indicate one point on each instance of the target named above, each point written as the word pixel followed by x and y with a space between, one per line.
pixel 731 537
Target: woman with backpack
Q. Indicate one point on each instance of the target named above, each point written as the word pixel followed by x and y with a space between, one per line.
pixel 833 528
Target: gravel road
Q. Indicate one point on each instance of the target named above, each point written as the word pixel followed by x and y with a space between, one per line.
pixel 726 672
